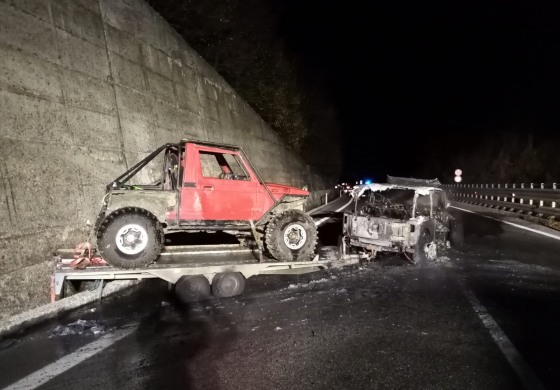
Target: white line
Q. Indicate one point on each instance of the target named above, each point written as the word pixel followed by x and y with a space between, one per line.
pixel 510 223
pixel 516 361
pixel 67 362
pixel 322 220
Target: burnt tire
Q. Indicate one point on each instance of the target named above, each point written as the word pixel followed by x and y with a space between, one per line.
pixel 192 288
pixel 130 238
pixel 456 234
pixel 291 236
pixel 425 250
pixel 230 284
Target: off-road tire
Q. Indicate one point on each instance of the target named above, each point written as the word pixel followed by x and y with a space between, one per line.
pixel 192 288
pixel 427 235
pixel 456 234
pixel 275 232
pixel 230 284
pixel 107 238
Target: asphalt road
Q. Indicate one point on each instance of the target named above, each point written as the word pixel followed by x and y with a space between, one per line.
pixel 484 317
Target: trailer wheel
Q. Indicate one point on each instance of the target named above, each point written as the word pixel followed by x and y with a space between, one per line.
pixel 192 288
pixel 227 285
pixel 291 236
pixel 130 238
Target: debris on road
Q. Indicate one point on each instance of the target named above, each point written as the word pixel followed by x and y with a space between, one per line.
pixel 80 327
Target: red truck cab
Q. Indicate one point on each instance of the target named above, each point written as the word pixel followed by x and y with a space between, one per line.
pixel 201 186
pixel 219 184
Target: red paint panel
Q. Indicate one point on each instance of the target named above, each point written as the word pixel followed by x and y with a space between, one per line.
pixel 227 199
pixel 278 190
pixel 212 198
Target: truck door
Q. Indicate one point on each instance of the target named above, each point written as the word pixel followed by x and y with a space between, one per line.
pixel 224 189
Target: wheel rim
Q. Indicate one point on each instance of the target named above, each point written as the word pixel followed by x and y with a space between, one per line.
pixel 295 236
pixel 131 239
pixel 229 284
pixel 430 249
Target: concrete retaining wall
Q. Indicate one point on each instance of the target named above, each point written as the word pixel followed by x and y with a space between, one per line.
pixel 87 88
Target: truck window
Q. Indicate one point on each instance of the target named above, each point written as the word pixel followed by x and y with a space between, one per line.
pixel 236 167
pixel 222 166
pixel 423 205
pixel 209 164
pixel 438 200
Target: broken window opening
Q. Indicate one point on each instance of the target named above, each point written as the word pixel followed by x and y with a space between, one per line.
pixel 222 166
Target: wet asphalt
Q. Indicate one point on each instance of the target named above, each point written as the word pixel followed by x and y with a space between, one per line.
pixel 383 325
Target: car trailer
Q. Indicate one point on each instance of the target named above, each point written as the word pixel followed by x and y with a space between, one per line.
pixel 196 271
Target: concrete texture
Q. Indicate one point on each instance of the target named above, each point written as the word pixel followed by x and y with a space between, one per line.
pixel 32 317
pixel 87 88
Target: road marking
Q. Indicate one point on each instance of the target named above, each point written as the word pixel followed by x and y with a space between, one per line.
pixel 514 358
pixel 322 220
pixel 511 223
pixel 67 362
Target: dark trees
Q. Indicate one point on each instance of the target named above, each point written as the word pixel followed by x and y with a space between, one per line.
pixel 242 40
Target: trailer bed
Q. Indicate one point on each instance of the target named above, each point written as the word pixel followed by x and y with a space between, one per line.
pixel 178 261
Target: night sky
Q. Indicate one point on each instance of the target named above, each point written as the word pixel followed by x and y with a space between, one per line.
pixel 423 81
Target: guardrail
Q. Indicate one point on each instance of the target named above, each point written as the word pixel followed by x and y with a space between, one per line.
pixel 535 199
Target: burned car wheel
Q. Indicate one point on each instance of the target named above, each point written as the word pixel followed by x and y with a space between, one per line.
pixel 130 239
pixel 456 234
pixel 426 248
pixel 291 236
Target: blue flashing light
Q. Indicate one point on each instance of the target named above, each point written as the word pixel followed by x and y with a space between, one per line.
pixel 367 181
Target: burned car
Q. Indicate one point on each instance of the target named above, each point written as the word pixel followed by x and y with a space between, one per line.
pixel 407 216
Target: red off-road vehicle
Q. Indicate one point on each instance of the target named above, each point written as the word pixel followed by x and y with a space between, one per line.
pixel 195 186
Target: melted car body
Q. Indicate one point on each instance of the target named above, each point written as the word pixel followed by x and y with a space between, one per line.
pixel 405 216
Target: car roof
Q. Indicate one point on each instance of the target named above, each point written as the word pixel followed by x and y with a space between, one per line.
pixel 378 187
